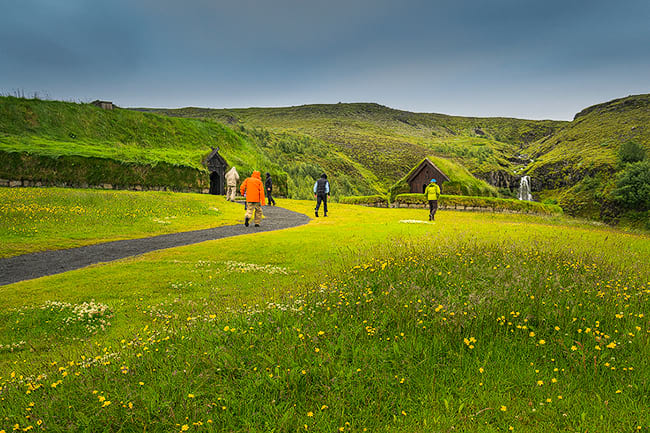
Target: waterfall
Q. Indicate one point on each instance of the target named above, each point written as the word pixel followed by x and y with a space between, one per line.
pixel 524 189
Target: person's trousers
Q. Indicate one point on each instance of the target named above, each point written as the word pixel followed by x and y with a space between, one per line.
pixel 433 207
pixel 254 206
pixel 231 192
pixel 321 198
pixel 270 198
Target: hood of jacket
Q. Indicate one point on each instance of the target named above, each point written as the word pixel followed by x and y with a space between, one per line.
pixel 256 174
pixel 232 174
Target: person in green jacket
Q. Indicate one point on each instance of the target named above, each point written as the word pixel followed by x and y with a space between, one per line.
pixel 432 192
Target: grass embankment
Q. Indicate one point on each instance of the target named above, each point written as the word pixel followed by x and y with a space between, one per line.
pixel 362 320
pixel 122 141
pixel 34 219
pixel 364 148
pixel 53 128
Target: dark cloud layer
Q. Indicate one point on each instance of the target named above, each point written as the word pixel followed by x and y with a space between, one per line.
pixel 501 57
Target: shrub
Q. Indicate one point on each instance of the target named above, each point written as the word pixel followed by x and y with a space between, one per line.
pixel 631 152
pixel 508 193
pixel 633 187
pixel 365 199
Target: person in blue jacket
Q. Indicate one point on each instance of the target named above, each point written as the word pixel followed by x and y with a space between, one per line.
pixel 321 192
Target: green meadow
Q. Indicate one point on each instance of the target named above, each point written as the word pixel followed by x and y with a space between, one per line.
pixel 367 320
pixel 33 219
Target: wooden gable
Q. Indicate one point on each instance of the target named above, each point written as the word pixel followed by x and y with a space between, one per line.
pixel 422 175
pixel 215 162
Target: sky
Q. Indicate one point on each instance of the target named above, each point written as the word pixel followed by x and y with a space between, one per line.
pixel 517 58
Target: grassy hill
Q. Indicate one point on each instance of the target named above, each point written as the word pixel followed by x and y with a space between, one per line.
pixel 589 145
pixel 390 142
pixel 579 164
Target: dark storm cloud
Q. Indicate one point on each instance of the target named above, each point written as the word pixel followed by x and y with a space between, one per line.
pixel 499 57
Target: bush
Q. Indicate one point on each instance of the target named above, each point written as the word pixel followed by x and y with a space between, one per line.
pixel 633 187
pixel 365 199
pixel 631 152
pixel 508 193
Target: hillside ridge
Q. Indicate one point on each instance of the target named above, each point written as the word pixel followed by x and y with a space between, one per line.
pixel 618 104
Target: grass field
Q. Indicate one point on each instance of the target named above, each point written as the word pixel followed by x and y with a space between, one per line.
pixel 368 320
pixel 33 219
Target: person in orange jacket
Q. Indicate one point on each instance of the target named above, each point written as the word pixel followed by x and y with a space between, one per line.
pixel 253 189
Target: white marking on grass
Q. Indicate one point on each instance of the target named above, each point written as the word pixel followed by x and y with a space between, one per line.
pixel 415 222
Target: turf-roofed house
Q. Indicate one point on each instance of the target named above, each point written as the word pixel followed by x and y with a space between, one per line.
pixel 422 175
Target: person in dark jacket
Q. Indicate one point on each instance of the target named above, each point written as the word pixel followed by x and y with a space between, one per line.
pixel 321 192
pixel 268 184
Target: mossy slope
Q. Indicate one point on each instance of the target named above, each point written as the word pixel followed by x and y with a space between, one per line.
pixel 588 145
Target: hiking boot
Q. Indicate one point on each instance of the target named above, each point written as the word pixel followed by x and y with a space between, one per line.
pixel 257 225
pixel 246 221
pixel 325 215
pixel 316 213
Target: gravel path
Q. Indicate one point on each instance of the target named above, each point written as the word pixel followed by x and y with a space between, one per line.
pixel 35 265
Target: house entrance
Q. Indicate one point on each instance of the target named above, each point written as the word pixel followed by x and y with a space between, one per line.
pixel 215 183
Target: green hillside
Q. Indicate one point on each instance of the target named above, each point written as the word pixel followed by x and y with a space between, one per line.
pixel 390 142
pixel 589 145
pixel 60 128
pixel 579 165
